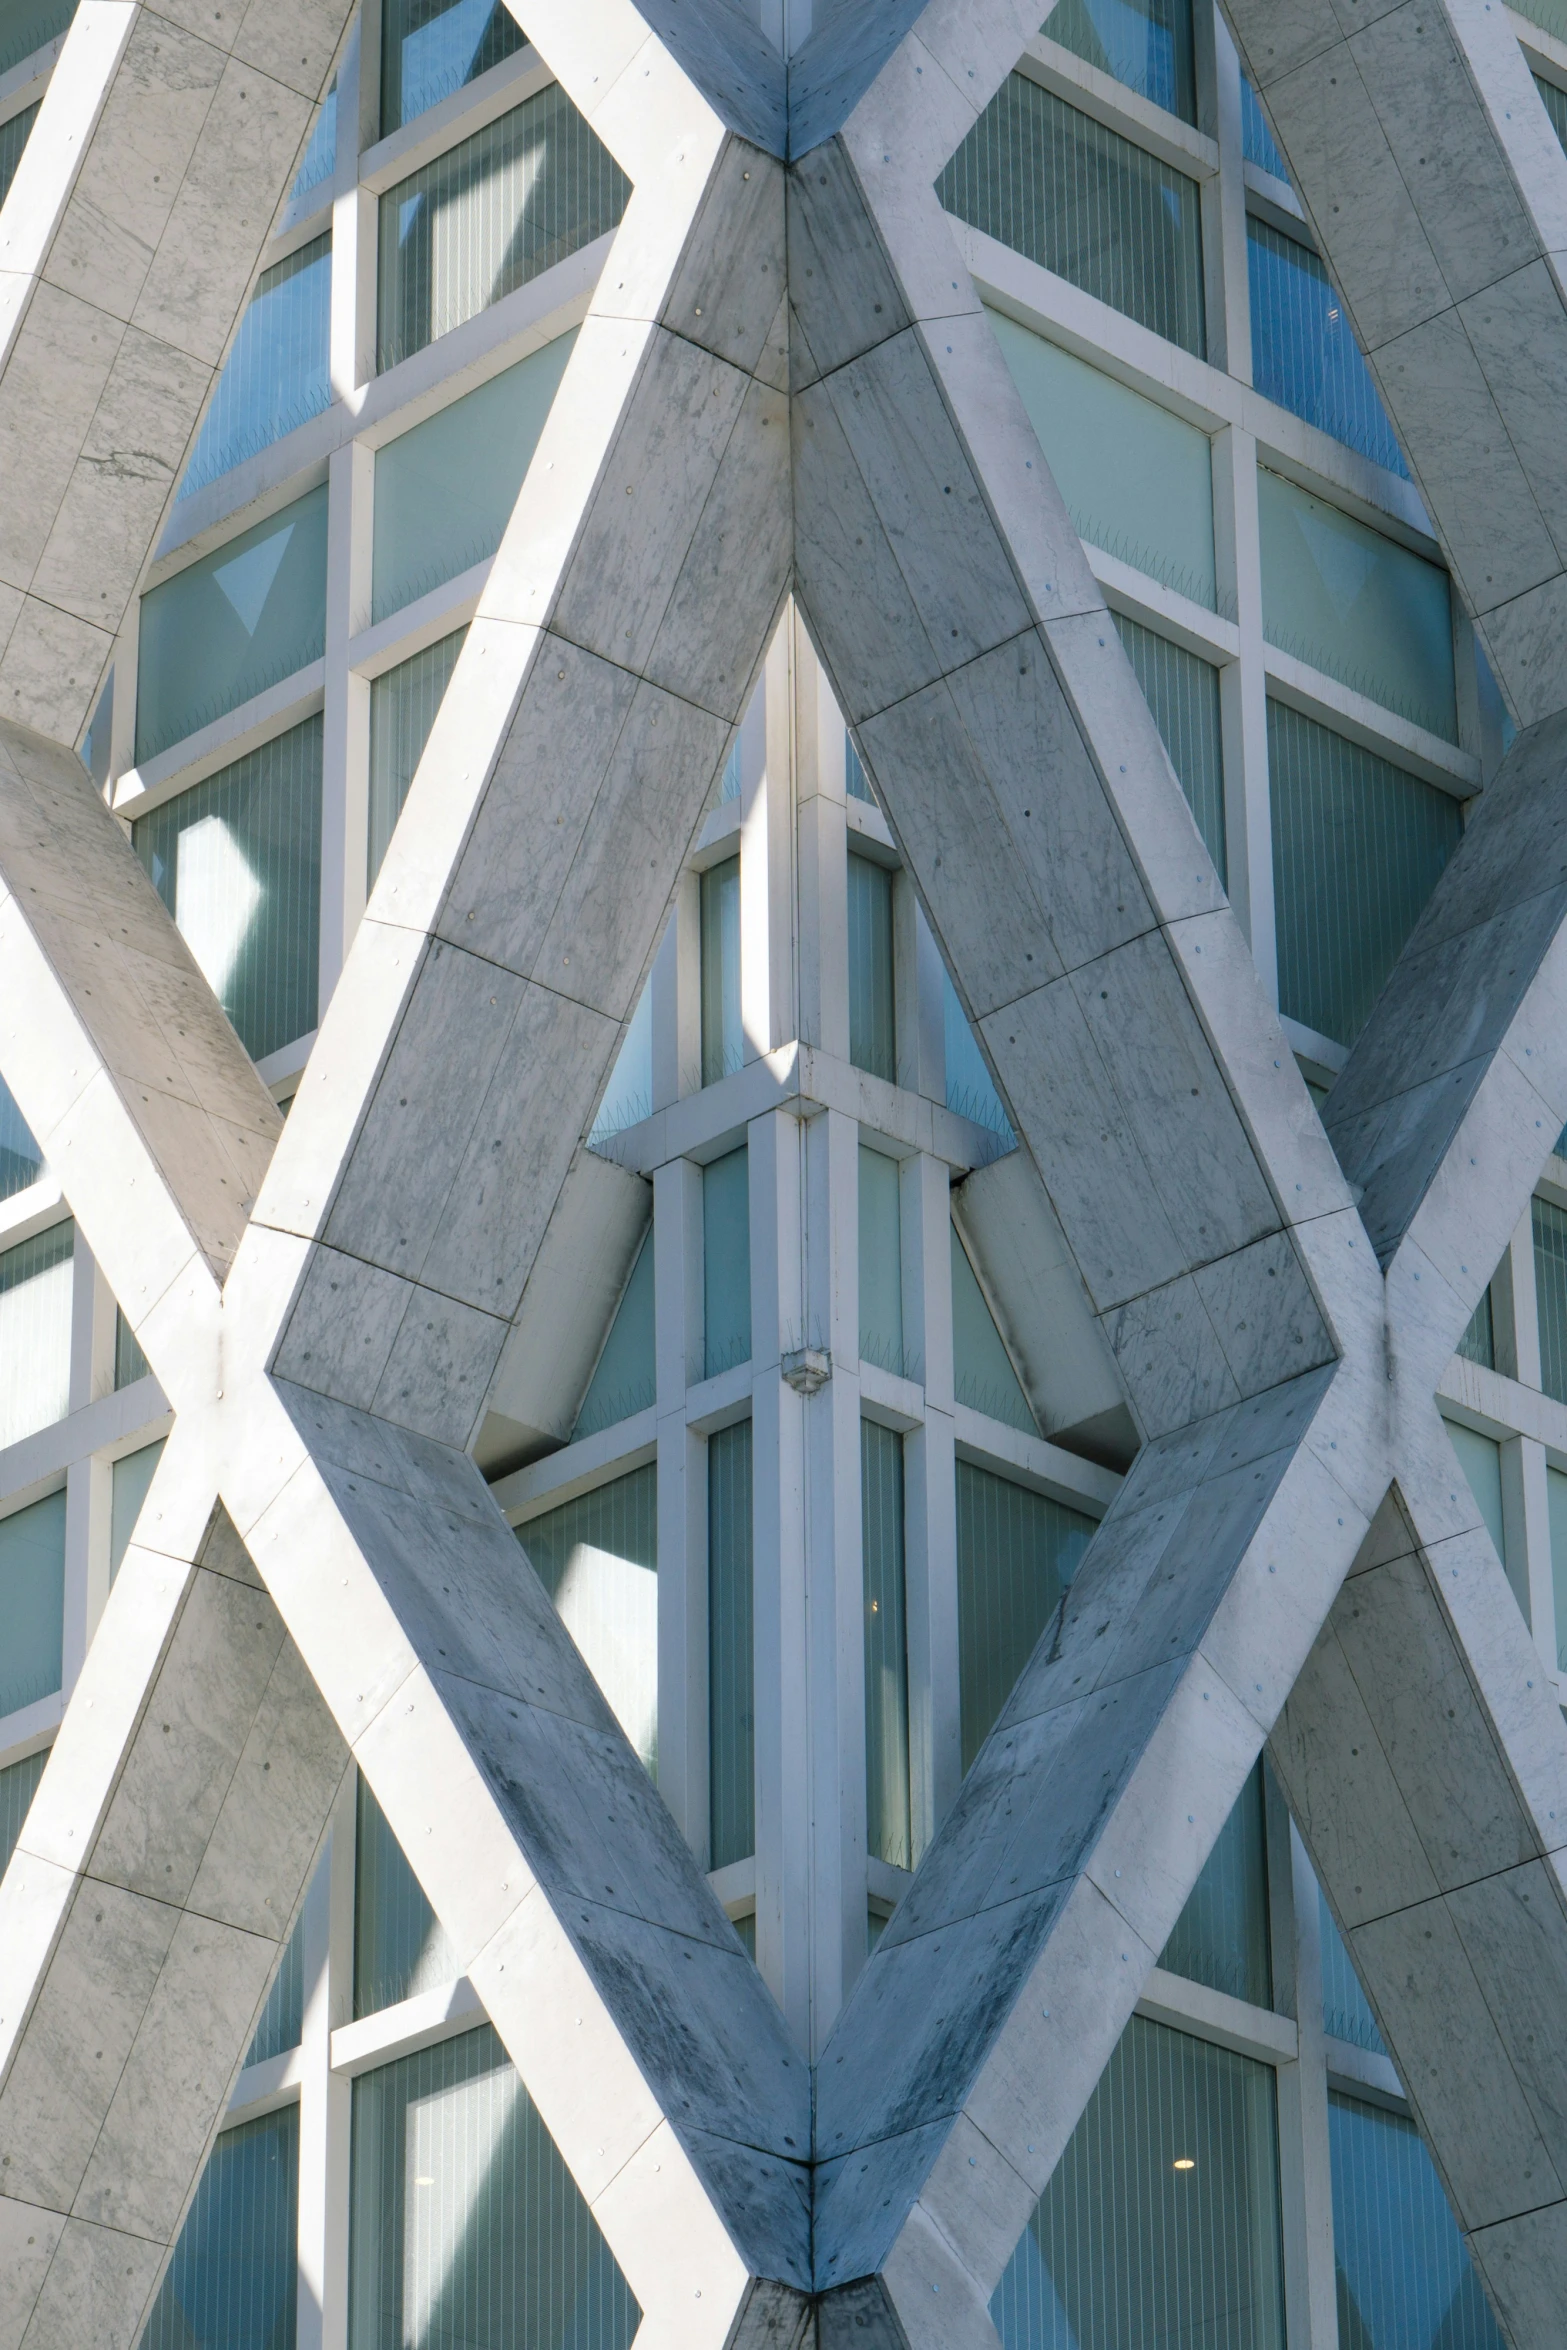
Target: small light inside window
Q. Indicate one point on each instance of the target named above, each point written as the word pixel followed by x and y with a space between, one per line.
pixel 1184 2162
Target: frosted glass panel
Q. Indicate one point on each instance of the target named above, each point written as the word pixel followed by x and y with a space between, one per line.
pixel 873 1028
pixel 1480 1458
pixel 881 1264
pixel 237 861
pixel 234 2278
pixel 429 48
pixel 1358 847
pixel 129 1481
pixel 399 1946
pixel 1356 605
pixel 1147 44
pixel 597 1557
pixel 32 1602
pixel 731 1667
pixel 13 138
pixel 855 780
pixel 1303 348
pixel 403 706
pixel 970 1088
pixel 130 1364
pixel 1084 202
pixel 625 1379
pixel 21 1161
pixel 1346 2011
pixel 1017 1552
pixel 1405 2280
pixel 228 627
pixel 1160 2224
pixel 1556 1493
pixel 1221 1937
pixel 444 492
pixel 30 24
pixel 278 374
pixel 628 1097
pixel 723 1040
pixel 18 1786
pixel 320 158
pixel 1550 1289
pixel 887 1819
pixel 1478 1343
pixel 726 1263
pixel 1182 692
pixel 488 216
pixel 982 1372
pixel 1257 141
pixel 35 1333
pixel 282 2021
pixel 466 2228
pixel 1137 481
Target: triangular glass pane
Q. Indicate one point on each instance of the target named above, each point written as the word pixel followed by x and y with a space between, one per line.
pixel 597 1557
pixel 21 1160
pixel 982 1372
pixel 400 1946
pixel 234 2277
pixel 1017 1552
pixel 1221 1937
pixel 625 1380
pixel 18 1786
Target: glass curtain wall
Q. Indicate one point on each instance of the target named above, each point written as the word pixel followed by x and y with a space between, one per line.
pixel 278 374
pixel 723 1038
pixel 597 1557
pixel 36 1279
pixel 888 1824
pixel 429 48
pixel 873 1027
pixel 726 1263
pixel 234 2278
pixel 731 1670
pixel 320 157
pixel 1404 2278
pixel 403 706
pixel 1303 348
pixel 400 1947
pixel 1221 1937
pixel 1182 691
pixel 18 1786
pixel 21 1160
pixel 1147 44
pixel 1017 1553
pixel 1257 141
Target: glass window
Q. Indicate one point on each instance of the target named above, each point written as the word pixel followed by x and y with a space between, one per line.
pixel 726 1263
pixel 1358 847
pixel 465 2225
pixel 970 1088
pixel 234 2277
pixel 429 48
pixel 723 1040
pixel 445 490
pixel 129 1481
pixel 1257 141
pixel 881 1264
pixel 488 216
pixel 98 741
pixel 1556 1496
pixel 855 780
pixel 29 25
pixel 982 1373
pixel 1017 1552
pixel 1550 1290
pixel 888 1833
pixel 237 861
pixel 597 1557
pixel 13 138
pixel 1161 2221
pixel 18 1786
pixel 35 1333
pixel 400 1946
pixel 32 1603
pixel 1552 97
pixel 1182 692
pixel 1136 480
pixel 225 629
pixel 320 157
pixel 1221 1937
pixel 729 781
pixel 628 1097
pixel 873 1030
pixel 1478 1343
pixel 130 1364
pixel 1356 605
pixel 403 706
pixel 1346 2011
pixel 1405 2280
pixel 731 1664
pixel 21 1161
pixel 1303 348
pixel 625 1378
pixel 278 373
pixel 1147 44
pixel 1080 200
pixel 282 2023
pixel 1549 15
pixel 1480 1458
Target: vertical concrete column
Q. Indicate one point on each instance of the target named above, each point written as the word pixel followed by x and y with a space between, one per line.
pixel 1305 2165
pixel 326 2099
pixel 345 743
pixel 682 1503
pixel 930 1502
pixel 1244 704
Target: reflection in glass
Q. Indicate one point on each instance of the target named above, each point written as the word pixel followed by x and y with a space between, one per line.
pixel 429 48
pixel 1346 2011
pixel 400 1947
pixel 320 157
pixel 1257 142
pixel 970 1088
pixel 278 374
pixel 731 1668
pixel 1303 348
pixel 35 1335
pixel 1221 1937
pixel 1405 2280
pixel 597 1557
pixel 1147 44
pixel 888 1824
pixel 282 2021
pixel 234 2278
pixel 983 1376
pixel 1017 1552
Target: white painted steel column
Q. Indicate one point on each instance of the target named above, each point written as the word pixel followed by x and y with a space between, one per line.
pixel 1305 2160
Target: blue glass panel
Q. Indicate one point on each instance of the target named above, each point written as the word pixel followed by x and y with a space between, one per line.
pixel 13 138
pixel 1182 691
pixel 1221 1937
pixel 723 1037
pixel 731 1663
pixel 1405 2280
pixel 320 157
pixel 1257 142
pixel 1346 2011
pixel 628 1097
pixel 971 1090
pixel 278 375
pixel 1147 44
pixel 429 48
pixel 982 1372
pixel 399 1945
pixel 18 1786
pixel 30 25
pixel 233 2283
pixel 726 1262
pixel 21 1161
pixel 729 788
pixel 597 1557
pixel 1017 1552
pixel 282 2021
pixel 403 706
pixel 1550 1289
pixel 888 1824
pixel 625 1378
pixel 1303 348
pixel 873 1028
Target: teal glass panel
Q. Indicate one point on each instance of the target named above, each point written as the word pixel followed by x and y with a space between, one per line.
pixel 278 374
pixel 400 1947
pixel 229 626
pixel 881 1265
pixel 1358 847
pixel 1356 605
pixel 1160 2224
pixel 488 216
pixel 597 1557
pixel 130 1364
pixel 1480 1458
pixel 130 1479
pixel 1082 201
pixel 1550 1290
pixel 1303 348
pixel 628 1097
pixel 873 1028
pixel 1556 1497
pixel 1017 1552
pixel 855 780
pixel 746 1929
pixel 723 1039
pixel 21 1160
pixel 13 138
pixel 35 1333
pixel 625 1378
pixel 429 48
pixel 466 2228
pixel 32 1603
pixel 1346 2011
pixel 1221 1936
pixel 731 1656
pixel 1182 692
pixel 982 1373
pixel 233 2283
pixel 1147 44
pixel 282 2023
pixel 726 1262
pixel 237 861
pixel 1257 142
pixel 445 490
pixel 888 1827
pixel 1478 1343
pixel 18 1786
pixel 1549 15
pixel 1136 480
pixel 970 1088
pixel 1404 2278
pixel 320 157
pixel 1554 100
pixel 29 25
pixel 729 783
pixel 403 706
